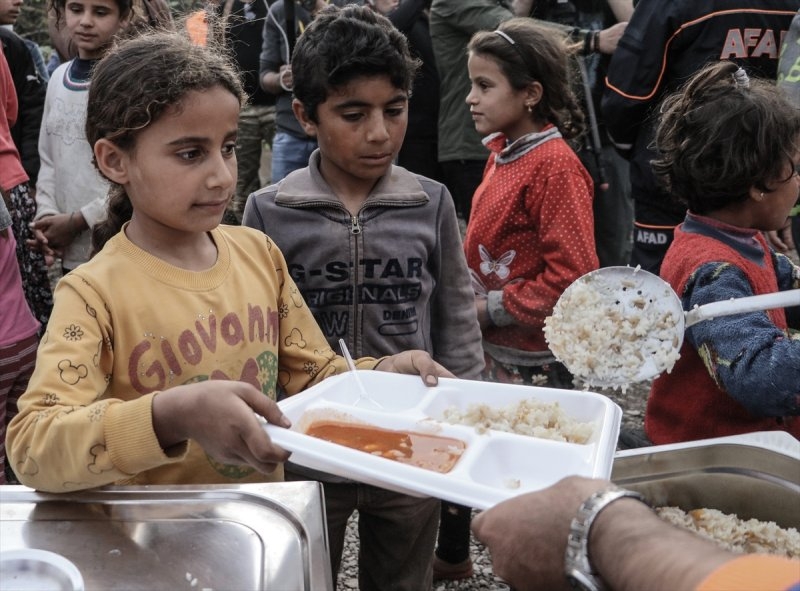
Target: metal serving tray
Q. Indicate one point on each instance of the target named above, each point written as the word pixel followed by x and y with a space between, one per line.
pixel 193 538
pixel 747 480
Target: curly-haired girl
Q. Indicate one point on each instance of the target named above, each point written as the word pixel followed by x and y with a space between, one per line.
pixel 166 345
pixel 729 148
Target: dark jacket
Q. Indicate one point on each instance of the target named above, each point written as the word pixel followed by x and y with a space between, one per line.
pixel 423 108
pixel 31 91
pixel 243 36
pixel 663 45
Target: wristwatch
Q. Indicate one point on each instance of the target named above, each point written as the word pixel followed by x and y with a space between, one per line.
pixel 580 573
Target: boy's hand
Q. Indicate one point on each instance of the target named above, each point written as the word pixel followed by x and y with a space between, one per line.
pixel 416 363
pixel 220 415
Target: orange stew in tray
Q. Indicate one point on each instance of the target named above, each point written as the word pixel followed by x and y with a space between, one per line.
pixel 431 452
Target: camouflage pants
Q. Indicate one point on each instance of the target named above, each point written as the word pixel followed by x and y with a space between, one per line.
pixel 256 129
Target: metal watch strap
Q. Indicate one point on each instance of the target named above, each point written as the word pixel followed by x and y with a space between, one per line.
pixel 579 571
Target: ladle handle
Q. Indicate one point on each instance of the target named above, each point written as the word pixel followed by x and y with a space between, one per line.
pixel 767 301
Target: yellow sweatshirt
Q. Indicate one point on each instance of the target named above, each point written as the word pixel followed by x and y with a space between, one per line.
pixel 127 325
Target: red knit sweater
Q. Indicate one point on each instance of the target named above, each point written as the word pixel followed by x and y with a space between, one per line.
pixel 687 404
pixel 530 234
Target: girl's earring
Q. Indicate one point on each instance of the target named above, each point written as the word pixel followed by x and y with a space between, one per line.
pixel 530 108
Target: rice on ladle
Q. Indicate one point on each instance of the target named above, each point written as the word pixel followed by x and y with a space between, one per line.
pixel 605 339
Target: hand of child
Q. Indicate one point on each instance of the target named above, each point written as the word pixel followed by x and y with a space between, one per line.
pixel 39 242
pixel 221 416
pixel 780 240
pixel 57 231
pixel 415 362
pixel 482 308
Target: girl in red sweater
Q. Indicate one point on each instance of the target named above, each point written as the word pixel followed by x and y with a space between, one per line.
pixel 531 228
pixel 530 233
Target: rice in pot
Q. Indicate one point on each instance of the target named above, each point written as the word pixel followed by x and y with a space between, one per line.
pixel 737 535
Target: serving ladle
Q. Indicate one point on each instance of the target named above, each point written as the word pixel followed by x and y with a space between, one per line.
pixel 640 326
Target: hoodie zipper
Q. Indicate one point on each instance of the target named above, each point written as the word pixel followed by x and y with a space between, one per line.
pixel 355 231
pixel 355 225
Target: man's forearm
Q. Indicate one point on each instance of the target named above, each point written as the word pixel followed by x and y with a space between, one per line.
pixel 521 7
pixel 632 549
pixel 622 9
pixel 270 82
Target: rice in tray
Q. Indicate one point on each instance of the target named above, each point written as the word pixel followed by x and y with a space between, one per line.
pixel 737 535
pixel 604 341
pixel 528 417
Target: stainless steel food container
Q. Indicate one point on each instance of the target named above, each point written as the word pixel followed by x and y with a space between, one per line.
pixel 250 537
pixel 749 481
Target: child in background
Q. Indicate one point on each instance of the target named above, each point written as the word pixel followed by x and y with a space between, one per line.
pixel 729 148
pixel 163 347
pixel 18 327
pixel 530 232
pixel 29 92
pixel 18 336
pixel 290 146
pixel 71 195
pixel 381 229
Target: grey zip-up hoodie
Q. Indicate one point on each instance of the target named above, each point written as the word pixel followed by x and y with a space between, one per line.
pixel 392 278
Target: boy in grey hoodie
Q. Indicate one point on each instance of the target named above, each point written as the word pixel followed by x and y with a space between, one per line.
pixel 377 253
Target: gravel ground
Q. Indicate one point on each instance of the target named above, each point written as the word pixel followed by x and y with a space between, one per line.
pixel 632 403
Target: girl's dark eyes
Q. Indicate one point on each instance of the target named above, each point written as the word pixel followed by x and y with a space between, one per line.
pixel 189 154
pixel 76 8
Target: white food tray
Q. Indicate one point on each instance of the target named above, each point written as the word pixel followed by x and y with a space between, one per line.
pixel 495 465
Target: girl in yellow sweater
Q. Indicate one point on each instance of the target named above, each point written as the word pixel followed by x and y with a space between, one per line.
pixel 162 348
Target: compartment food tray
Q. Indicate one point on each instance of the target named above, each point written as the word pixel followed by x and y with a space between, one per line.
pixel 495 465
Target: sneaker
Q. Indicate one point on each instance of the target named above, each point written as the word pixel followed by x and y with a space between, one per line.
pixel 451 572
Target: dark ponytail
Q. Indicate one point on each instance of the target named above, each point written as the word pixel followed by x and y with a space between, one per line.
pixel 118 211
